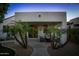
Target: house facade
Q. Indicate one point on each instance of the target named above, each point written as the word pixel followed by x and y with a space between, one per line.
pixel 74 23
pixel 40 21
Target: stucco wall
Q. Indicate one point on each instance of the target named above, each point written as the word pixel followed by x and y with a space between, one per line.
pixel 44 16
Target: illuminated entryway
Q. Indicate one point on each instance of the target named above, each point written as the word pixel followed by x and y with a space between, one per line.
pixel 33 33
pixel 39 28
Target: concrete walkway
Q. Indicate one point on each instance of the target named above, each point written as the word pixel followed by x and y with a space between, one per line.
pixel 39 48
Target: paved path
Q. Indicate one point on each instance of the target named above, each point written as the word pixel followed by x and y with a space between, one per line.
pixel 39 48
pixel 40 52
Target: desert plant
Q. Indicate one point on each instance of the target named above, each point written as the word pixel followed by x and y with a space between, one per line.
pixel 56 35
pixel 54 30
pixel 21 29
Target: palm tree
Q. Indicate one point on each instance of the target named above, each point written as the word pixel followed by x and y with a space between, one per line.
pixel 56 33
pixel 21 29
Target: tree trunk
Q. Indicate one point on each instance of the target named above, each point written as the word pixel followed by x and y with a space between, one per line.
pixel 26 40
pixel 22 39
pixel 19 41
pixel 53 40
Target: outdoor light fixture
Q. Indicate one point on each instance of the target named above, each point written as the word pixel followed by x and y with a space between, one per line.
pixel 39 15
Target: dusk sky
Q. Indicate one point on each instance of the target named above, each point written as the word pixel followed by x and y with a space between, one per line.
pixel 71 9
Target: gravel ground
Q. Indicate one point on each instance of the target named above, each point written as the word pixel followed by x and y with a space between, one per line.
pixel 71 49
pixel 20 51
pixel 37 48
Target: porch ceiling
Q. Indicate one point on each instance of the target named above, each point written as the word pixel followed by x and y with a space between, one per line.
pixel 43 23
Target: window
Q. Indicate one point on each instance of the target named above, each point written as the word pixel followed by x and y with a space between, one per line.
pixel 76 25
pixel 5 28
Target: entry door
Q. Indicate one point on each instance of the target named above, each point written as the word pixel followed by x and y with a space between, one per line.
pixel 34 32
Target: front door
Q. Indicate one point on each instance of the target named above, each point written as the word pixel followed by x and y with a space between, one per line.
pixel 33 33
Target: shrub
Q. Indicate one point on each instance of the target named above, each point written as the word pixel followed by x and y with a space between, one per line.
pixel 74 35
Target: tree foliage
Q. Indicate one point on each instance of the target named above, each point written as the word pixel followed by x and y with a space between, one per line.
pixel 3 10
pixel 22 29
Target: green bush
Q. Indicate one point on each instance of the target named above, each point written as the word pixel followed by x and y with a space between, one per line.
pixel 74 35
